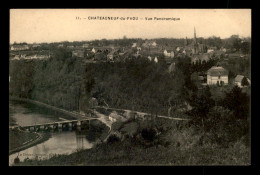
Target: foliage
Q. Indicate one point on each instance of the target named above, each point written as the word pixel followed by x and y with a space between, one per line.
pixel 149 134
pixel 244 82
pixel 112 139
pixel 56 81
pixel 238 102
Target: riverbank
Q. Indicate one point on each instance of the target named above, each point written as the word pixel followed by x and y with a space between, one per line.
pixel 130 153
pixel 20 140
pixel 173 145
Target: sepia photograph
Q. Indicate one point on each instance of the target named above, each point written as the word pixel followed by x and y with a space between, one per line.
pixel 129 87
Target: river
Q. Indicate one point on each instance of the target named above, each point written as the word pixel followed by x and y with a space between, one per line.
pixel 61 142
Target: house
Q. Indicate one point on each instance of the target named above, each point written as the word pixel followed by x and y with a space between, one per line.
pixel 217 75
pixel 114 116
pixel 19 47
pixel 16 57
pixel 60 45
pixel 134 44
pixel 156 60
pixel 40 57
pixel 168 54
pixel 200 57
pixel 187 52
pixel 223 49
pixel 210 50
pixel 121 53
pixel 78 47
pixel 86 45
pixel 154 44
pixel 36 45
pixel 238 80
pixel 149 58
pixel 111 55
pixel 23 56
pixel 139 48
pixel 178 49
pixel 111 119
pixel 70 47
pixel 78 53
pixel 149 44
pixel 93 50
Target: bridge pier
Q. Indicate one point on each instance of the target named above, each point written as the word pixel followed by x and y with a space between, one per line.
pixel 32 128
pixel 51 126
pixel 59 125
pixel 55 126
pixel 36 128
pixel 42 127
pixel 70 125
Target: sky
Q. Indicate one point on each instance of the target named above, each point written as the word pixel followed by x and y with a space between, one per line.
pixel 56 25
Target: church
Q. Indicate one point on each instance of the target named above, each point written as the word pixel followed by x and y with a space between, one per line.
pixel 197 51
pixel 195 47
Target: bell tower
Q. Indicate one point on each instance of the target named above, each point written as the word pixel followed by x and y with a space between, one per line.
pixel 195 39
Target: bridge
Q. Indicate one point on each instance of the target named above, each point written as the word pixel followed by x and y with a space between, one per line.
pixel 55 125
pixel 79 119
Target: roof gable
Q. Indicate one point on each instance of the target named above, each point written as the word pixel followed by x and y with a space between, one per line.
pixel 217 71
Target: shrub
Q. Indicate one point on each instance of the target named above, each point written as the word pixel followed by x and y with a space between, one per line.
pixel 149 134
pixel 113 139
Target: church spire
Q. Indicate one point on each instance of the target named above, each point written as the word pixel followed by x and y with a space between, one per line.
pixel 195 40
pixel 186 41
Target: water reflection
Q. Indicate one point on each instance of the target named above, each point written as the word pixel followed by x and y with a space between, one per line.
pixel 64 141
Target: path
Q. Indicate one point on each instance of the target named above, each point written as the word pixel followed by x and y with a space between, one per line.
pixel 143 113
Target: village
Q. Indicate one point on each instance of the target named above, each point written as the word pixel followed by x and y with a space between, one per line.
pixel 199 53
pixel 165 87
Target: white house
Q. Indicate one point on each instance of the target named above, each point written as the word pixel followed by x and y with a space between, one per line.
pixel 156 59
pixel 149 58
pixel 20 47
pixel 217 75
pixel 16 57
pixel 178 49
pixel 223 49
pixel 210 50
pixel 168 54
pixel 238 80
pixel 86 45
pixel 60 45
pixel 134 44
pixel 111 119
pixel 70 47
pixel 93 50
pixel 154 44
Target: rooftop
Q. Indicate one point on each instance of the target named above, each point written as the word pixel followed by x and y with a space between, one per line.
pixel 216 71
pixel 239 78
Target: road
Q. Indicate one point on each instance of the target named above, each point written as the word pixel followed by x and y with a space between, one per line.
pixel 143 113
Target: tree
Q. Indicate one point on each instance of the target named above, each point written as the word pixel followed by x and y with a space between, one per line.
pixel 201 103
pixel 238 102
pixel 245 47
pixel 236 42
pixel 244 82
